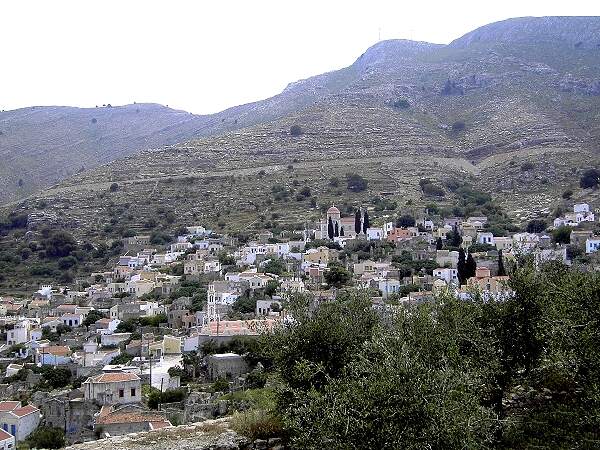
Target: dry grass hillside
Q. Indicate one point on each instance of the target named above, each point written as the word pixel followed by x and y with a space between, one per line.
pixel 511 108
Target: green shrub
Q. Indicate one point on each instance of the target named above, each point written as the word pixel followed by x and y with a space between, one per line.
pixel 458 126
pixel 257 424
pixel 47 437
pixel 401 103
pixel 590 178
pixel 527 166
pixel 356 183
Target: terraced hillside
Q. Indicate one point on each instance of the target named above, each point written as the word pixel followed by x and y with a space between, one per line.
pixel 519 91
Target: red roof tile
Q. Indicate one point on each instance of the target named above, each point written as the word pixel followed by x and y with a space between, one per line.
pixel 25 410
pixel 114 377
pixel 9 405
pixel 4 435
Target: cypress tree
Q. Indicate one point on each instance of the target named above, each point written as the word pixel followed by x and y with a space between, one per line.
pixel 330 229
pixel 342 231
pixel 366 224
pixel 501 269
pixel 471 266
pixel 456 237
pixel 461 266
pixel 336 230
pixel 439 244
pixel 357 222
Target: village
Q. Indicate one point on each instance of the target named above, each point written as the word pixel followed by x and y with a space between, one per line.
pixel 162 338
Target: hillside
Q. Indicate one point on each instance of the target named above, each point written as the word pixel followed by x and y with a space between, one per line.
pixel 520 91
pixel 41 146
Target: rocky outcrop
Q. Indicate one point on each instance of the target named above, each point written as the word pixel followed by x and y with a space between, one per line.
pixel 575 85
pixel 209 435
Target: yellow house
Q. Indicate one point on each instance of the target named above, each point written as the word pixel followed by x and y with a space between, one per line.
pixel 171 345
pixel 321 255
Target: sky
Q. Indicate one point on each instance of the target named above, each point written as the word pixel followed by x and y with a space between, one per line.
pixel 204 56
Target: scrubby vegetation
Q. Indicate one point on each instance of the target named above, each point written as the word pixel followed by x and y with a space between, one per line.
pixel 519 373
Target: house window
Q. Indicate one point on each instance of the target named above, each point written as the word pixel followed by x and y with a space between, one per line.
pixel 13 430
pixel 121 393
pixel 133 392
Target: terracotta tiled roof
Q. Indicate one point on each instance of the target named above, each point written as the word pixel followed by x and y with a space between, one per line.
pixel 9 406
pixel 113 378
pixel 109 416
pixel 58 350
pixel 4 435
pixel 25 410
pixel 103 322
pixel 66 307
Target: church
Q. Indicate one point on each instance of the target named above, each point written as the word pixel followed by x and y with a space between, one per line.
pixel 340 226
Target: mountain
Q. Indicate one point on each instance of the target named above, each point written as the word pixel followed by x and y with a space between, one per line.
pixel 43 145
pixel 511 108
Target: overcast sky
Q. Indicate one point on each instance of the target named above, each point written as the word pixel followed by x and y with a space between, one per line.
pixel 204 56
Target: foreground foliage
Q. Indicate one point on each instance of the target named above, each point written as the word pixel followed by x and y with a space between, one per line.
pixel 519 373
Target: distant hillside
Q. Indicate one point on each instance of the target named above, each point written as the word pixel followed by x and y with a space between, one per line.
pixel 41 145
pixel 520 91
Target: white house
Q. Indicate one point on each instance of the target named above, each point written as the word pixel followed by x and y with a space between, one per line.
pixel 113 338
pixel 196 230
pixel 53 355
pixel 592 245
pixel 20 421
pixel 72 319
pixel 485 238
pixel 7 441
pixel 450 276
pixel 581 208
pixel 388 286
pixel 264 307
pixel 375 234
pixel 23 331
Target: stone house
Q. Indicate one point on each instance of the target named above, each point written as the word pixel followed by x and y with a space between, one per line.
pixel 115 420
pixel 113 388
pixel 226 365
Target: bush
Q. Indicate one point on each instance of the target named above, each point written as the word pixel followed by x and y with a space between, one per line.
pixel 356 183
pixel 589 179
pixel 47 437
pixel 432 190
pixel 401 103
pixel 67 263
pixel 295 130
pixel 567 194
pixel 406 221
pixel 562 235
pixel 59 244
pixel 458 126
pixel 220 385
pixel 160 238
pixel 257 424
pixel 536 226
pixel 527 166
